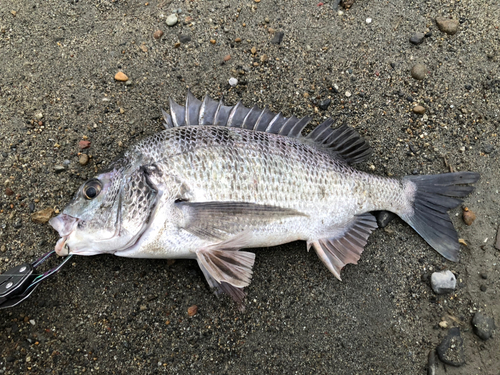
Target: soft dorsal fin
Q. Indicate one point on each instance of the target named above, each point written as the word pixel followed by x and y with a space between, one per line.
pixel 343 142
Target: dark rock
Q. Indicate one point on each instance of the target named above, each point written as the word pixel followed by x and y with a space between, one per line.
pixel 18 224
pixel 488 148
pixel 324 104
pixel 384 218
pixel 483 288
pixel 483 326
pixel 483 275
pixel 417 38
pixel 451 349
pixel 278 37
pixel 31 207
pixel 393 65
pixel 468 87
pixel 428 34
pixel 184 38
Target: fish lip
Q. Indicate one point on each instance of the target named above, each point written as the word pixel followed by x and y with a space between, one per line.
pixel 64 225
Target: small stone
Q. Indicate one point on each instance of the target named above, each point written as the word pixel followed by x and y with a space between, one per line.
pixel 233 81
pixel 419 110
pixel 417 38
pixel 418 71
pixel 121 77
pixel 158 34
pixel 192 310
pixel 183 38
pixel 443 324
pixel 9 191
pixel 227 57
pixel 348 94
pixel 324 104
pixel 143 47
pixel 447 25
pixel 264 58
pixel 384 218
pixel 59 168
pixel 278 37
pixel 497 242
pixel 451 349
pixel 177 44
pixel 368 21
pixel 468 216
pixel 483 275
pixel 39 115
pixel 253 50
pixel 443 282
pixel 43 216
pixel 31 207
pixel 83 159
pixel 128 83
pixel 483 326
pixel 84 144
pixel 238 40
pixel 483 288
pixel 488 148
pixel 143 307
pixel 212 41
pixel 171 20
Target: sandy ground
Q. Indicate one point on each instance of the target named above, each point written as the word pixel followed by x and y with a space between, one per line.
pixel 109 315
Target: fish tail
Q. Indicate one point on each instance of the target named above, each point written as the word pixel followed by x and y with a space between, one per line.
pixel 432 196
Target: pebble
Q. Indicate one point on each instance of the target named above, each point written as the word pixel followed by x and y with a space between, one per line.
pixel 227 57
pixel 83 159
pixel 59 168
pixel 497 242
pixel 213 41
pixel 84 144
pixel 468 216
pixel 417 38
pixel 264 58
pixel 9 191
pixel 121 77
pixel 278 37
pixel 192 310
pixel 158 34
pixel 443 282
pixel 447 25
pixel 368 21
pixel 451 349
pixel 324 104
pixel 39 115
pixel 43 216
pixel 488 148
pixel 253 50
pixel 171 20
pixel 418 71
pixel 443 324
pixel 419 110
pixel 483 326
pixel 237 40
pixel 233 81
pixel 183 38
pixel 384 218
pixel 348 94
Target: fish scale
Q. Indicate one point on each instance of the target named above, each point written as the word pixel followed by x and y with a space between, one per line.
pixel 221 178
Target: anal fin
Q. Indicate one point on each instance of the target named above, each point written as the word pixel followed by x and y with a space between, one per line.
pixel 336 252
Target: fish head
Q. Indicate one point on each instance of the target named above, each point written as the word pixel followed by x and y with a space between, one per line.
pixel 108 213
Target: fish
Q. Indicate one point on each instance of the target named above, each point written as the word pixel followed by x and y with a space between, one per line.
pixel 220 179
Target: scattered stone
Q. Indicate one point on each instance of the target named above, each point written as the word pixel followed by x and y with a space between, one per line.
pixel 143 307
pixel 368 21
pixel 278 37
pixel 158 34
pixel 184 38
pixel 324 104
pixel 121 77
pixel 227 57
pixel 419 110
pixel 348 94
pixel 451 349
pixel 468 216
pixel 83 159
pixel 43 216
pixel 418 71
pixel 483 288
pixel 18 224
pixel 431 363
pixel 212 41
pixel 384 218
pixel 417 38
pixel 192 310
pixel 171 20
pixel 483 326
pixel 488 148
pixel 264 58
pixel 447 25
pixel 443 282
pixel 9 191
pixel 238 40
pixel 483 275
pixel 443 324
pixel 31 207
pixel 59 168
pixel 84 144
pixel 428 34
pixel 253 50
pixel 233 81
pixel 39 115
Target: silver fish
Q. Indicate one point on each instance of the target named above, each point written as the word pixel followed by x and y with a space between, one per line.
pixel 221 178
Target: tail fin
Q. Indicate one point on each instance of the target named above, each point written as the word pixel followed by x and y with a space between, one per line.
pixel 434 196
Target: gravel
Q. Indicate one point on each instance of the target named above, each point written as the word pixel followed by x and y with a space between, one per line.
pixel 443 282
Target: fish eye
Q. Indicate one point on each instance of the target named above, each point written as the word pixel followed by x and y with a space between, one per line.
pixel 92 189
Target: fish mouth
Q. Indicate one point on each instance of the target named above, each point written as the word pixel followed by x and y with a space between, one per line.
pixel 64 225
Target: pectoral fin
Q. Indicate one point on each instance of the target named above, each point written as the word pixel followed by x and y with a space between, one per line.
pixel 215 220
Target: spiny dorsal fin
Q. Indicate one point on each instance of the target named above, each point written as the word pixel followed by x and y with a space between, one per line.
pixel 342 142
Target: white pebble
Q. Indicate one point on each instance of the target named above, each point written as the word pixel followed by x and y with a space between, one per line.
pixel 340 13
pixel 171 20
pixel 348 94
pixel 443 282
pixel 32 322
pixel 368 21
pixel 233 81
